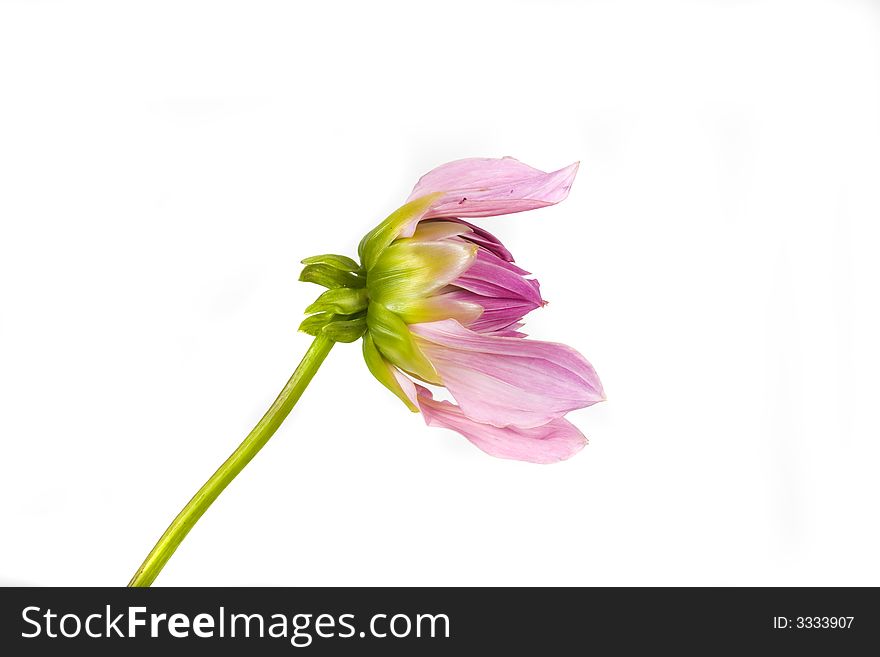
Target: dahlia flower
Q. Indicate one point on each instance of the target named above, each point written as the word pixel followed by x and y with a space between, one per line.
pixel 439 301
pixel 439 304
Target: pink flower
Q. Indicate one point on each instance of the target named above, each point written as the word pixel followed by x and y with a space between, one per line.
pixel 439 301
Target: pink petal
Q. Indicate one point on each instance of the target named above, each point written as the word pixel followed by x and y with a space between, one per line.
pixel 498 312
pixel 491 276
pixel 482 237
pixel 508 380
pixel 555 441
pixel 511 331
pixel 485 187
pixel 406 384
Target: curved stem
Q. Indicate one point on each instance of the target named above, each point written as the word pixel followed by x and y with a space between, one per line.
pixel 249 447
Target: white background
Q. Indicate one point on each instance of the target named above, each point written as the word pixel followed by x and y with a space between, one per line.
pixel 165 165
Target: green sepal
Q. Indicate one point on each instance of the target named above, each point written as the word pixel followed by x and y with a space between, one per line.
pixel 345 330
pixel 340 262
pixel 381 369
pixel 315 323
pixel 330 277
pixel 395 342
pixel 381 236
pixel 409 269
pixel 342 301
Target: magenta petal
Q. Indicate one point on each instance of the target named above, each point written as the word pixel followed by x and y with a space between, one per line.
pixel 482 237
pixel 485 187
pixel 498 312
pixel 508 380
pixel 555 441
pixel 511 331
pixel 491 276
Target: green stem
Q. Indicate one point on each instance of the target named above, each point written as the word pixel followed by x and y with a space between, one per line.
pixel 249 447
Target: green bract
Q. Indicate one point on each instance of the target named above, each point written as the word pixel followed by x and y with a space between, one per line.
pixel 382 235
pixel 340 312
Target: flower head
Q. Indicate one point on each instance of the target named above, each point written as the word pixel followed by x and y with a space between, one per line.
pixel 439 301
